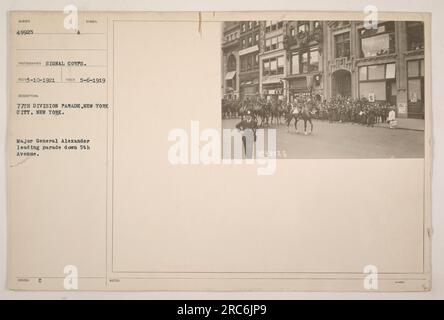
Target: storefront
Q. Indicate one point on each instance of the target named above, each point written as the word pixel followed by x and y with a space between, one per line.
pixel 378 82
pixel 415 88
pixel 249 88
pixel 273 90
pixel 305 86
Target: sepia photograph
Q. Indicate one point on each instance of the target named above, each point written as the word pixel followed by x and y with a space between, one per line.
pixel 330 89
pixel 269 153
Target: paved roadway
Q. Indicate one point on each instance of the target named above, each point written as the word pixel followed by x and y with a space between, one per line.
pixel 344 140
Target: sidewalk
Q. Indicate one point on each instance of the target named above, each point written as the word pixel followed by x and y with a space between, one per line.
pixel 406 124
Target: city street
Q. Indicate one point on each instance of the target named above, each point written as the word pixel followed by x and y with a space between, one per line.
pixel 344 140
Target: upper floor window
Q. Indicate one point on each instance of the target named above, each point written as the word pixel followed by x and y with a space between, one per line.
pixel 274 43
pixel 415 35
pixel 305 62
pixel 231 65
pixel 342 45
pixel 249 61
pixel 377 42
pixel 273 25
pixel 314 60
pixel 273 66
pixel 303 26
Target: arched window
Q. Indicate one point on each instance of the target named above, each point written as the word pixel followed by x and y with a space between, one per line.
pixel 231 64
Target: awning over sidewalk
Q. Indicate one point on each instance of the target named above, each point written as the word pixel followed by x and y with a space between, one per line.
pixel 272 81
pixel 230 75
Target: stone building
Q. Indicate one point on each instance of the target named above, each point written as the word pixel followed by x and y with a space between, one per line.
pixel 230 59
pixel 249 48
pixel 385 63
pixel 326 59
pixel 272 66
pixel 305 66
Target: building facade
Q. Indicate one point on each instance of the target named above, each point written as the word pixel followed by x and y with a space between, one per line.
pixel 384 63
pixel 272 65
pixel 230 59
pixel 305 67
pixel 326 59
pixel 250 47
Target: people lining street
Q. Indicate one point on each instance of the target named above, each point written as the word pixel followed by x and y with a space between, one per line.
pixel 339 109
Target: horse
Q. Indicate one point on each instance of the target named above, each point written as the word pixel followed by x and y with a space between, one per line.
pixel 297 113
pixel 276 112
pixel 306 116
pixel 261 111
pixel 290 114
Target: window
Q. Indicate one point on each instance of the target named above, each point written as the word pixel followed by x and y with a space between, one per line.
pixel 250 24
pixel 231 65
pixel 243 63
pixel 256 38
pixel 273 25
pixel 304 62
pixel 268 45
pixel 378 89
pixel 273 66
pixel 249 40
pixel 377 42
pixel 376 72
pixel 316 24
pixel 295 64
pixel 303 26
pixel 342 45
pixel 390 71
pixel 415 35
pixel 413 68
pixel 266 67
pixel 249 61
pixel 280 65
pixel 414 89
pixel 274 43
pixel 243 43
pixel 243 27
pixel 362 73
pixel 314 60
pixel 373 80
pixel 292 31
pixel 280 40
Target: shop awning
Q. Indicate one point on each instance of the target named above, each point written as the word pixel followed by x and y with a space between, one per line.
pixel 230 75
pixel 273 81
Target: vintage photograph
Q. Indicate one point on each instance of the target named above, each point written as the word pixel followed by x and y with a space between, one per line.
pixel 330 89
